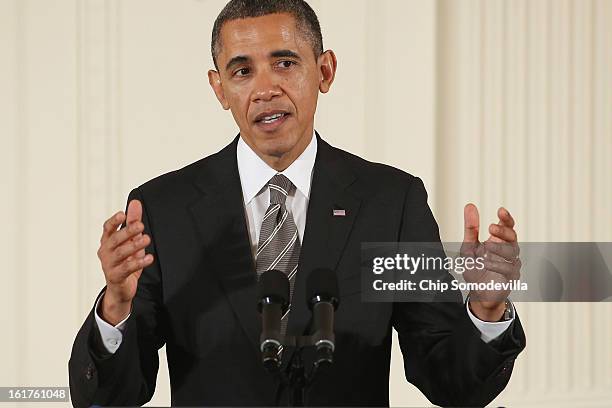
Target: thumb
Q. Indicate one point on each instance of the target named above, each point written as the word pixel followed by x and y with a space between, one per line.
pixel 134 212
pixel 471 223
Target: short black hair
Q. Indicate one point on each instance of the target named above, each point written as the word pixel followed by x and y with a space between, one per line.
pixel 305 17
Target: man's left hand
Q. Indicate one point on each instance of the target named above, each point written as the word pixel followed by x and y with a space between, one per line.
pixel 501 263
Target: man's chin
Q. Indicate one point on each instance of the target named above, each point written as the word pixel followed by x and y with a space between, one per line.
pixel 275 147
pixel 275 151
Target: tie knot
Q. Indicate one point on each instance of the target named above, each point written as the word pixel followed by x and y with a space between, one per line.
pixel 279 189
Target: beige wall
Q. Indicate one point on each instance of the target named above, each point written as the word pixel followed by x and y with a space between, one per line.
pixel 524 116
pixel 499 103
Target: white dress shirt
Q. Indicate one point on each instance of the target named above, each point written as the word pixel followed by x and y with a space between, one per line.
pixel 254 177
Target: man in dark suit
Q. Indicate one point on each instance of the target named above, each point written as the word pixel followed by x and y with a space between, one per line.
pixel 183 269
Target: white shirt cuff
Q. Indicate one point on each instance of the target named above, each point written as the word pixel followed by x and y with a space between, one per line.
pixel 489 330
pixel 112 336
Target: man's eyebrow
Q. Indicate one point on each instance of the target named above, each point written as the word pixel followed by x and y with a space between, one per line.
pixel 240 59
pixel 284 54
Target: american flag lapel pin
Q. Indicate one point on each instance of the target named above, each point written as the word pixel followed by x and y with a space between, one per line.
pixel 339 213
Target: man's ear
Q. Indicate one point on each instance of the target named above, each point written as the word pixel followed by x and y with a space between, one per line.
pixel 214 79
pixel 327 68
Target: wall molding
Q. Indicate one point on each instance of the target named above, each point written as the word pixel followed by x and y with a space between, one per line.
pixel 99 150
pixel 521 123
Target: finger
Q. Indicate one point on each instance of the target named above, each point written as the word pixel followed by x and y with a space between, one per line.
pixel 130 248
pixel 506 234
pixel 130 266
pixel 511 271
pixel 110 226
pixel 119 237
pixel 505 218
pixel 134 212
pixel 471 223
pixel 505 250
pixel 496 258
pixel 140 254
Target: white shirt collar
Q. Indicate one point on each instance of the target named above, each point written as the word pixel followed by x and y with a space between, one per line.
pixel 255 173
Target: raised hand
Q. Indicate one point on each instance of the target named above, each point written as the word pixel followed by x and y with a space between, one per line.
pixel 501 263
pixel 122 256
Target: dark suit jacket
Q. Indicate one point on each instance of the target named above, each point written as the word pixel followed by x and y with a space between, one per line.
pixel 199 296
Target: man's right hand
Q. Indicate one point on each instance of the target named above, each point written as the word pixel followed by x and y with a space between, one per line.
pixel 122 255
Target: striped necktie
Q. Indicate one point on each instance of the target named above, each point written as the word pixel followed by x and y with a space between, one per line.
pixel 279 243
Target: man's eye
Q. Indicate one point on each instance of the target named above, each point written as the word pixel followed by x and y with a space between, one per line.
pixel 285 64
pixel 242 72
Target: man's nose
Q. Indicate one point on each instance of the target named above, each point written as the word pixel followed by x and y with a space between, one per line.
pixel 266 88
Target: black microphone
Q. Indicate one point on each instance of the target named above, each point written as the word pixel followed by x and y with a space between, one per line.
pixel 273 303
pixel 322 297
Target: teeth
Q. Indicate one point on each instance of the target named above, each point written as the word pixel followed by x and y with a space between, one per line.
pixel 273 118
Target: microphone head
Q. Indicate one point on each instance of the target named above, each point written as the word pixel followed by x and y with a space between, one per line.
pixel 273 287
pixel 322 285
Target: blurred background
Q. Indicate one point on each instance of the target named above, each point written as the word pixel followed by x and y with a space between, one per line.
pixel 488 101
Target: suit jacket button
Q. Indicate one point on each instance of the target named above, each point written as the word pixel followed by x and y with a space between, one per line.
pixel 89 373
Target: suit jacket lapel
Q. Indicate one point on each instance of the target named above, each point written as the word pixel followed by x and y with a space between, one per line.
pixel 325 235
pixel 221 220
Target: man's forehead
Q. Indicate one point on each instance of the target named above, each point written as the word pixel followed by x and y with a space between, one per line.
pixel 270 32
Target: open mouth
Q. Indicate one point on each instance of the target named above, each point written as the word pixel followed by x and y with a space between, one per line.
pixel 266 119
pixel 271 121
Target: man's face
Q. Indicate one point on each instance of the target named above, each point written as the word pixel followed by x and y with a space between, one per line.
pixel 270 79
